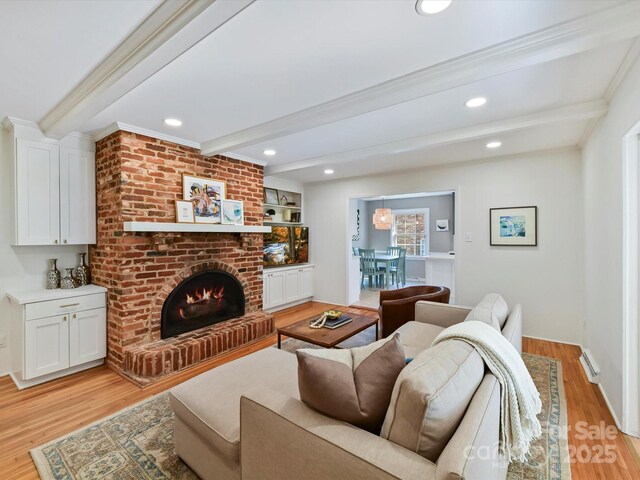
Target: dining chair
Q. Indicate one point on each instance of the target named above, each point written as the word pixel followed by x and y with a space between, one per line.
pixel 368 266
pixel 397 267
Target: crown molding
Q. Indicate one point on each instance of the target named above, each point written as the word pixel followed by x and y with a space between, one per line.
pixel 558 41
pixel 9 122
pixel 156 42
pixel 125 127
pixel 628 61
pixel 571 113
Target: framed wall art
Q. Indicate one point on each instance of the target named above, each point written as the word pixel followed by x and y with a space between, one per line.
pixel 271 196
pixel 514 226
pixel 185 212
pixel 442 225
pixel 232 212
pixel 206 194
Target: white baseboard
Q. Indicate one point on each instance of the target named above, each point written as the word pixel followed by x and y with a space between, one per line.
pixel 287 305
pixel 613 413
pixel 553 340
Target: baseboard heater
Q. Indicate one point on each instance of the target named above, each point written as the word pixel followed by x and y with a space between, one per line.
pixel 590 366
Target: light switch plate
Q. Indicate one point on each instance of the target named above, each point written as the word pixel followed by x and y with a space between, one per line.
pixel 467 237
pixel 3 340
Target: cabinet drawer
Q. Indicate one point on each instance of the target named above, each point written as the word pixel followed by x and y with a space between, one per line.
pixel 64 305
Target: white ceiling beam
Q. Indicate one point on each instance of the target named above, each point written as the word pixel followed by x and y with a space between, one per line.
pixel 156 42
pixel 558 41
pixel 571 113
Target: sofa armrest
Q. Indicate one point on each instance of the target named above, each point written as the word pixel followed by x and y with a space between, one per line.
pixel 282 438
pixel 441 314
pixel 472 453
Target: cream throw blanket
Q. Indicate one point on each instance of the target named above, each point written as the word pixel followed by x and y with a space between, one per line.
pixel 519 397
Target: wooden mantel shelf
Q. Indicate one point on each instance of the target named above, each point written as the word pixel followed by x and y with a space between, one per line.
pixel 158 227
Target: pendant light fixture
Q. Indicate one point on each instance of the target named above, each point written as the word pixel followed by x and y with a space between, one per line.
pixel 382 218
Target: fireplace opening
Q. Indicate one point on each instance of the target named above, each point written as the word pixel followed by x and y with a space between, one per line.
pixel 203 299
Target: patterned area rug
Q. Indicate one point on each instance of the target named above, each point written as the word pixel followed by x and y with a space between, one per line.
pixel 137 443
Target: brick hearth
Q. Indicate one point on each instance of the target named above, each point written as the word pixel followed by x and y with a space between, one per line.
pixel 138 179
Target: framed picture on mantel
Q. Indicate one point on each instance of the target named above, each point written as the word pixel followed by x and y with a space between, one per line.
pixel 513 226
pixel 185 212
pixel 206 194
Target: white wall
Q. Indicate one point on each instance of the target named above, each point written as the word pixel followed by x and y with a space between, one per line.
pixel 546 279
pixel 602 158
pixel 440 207
pixel 21 268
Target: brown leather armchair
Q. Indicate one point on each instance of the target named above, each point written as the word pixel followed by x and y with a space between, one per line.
pixel 397 307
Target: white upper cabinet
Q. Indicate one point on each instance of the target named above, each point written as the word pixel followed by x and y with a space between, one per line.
pixel 77 197
pixel 37 193
pixel 54 189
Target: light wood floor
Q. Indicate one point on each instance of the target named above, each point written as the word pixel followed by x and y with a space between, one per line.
pixel 40 414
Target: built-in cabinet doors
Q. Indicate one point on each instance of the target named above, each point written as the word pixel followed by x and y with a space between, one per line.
pixel 287 286
pixel 55 195
pixel 77 197
pixel 87 336
pixel 305 285
pixel 275 289
pixel 38 193
pixel 291 287
pixel 46 346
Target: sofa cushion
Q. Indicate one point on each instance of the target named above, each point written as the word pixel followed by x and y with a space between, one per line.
pixel 353 385
pixel 492 309
pixel 431 396
pixel 210 402
pixel 417 336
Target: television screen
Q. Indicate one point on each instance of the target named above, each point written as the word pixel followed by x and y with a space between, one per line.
pixel 286 246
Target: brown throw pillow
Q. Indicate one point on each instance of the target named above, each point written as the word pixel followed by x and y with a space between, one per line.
pixel 353 385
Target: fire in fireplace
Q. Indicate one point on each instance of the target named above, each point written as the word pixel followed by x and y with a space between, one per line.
pixel 203 299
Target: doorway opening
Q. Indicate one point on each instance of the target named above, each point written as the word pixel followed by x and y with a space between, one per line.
pixel 631 283
pixel 414 246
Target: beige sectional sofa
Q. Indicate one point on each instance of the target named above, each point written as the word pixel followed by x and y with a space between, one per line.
pixel 245 419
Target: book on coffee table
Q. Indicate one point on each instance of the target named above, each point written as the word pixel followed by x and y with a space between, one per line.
pixel 338 322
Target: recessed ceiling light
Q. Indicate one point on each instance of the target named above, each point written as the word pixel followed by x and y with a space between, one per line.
pixel 429 7
pixel 328 171
pixel 173 122
pixel 269 152
pixel 494 144
pixel 475 102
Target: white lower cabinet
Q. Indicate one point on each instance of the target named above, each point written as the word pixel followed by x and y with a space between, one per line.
pixel 285 286
pixel 56 333
pixel 46 346
pixel 87 336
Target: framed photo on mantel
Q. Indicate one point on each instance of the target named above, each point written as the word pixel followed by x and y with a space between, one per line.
pixel 513 226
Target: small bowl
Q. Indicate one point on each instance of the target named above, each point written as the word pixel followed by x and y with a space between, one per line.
pixel 333 314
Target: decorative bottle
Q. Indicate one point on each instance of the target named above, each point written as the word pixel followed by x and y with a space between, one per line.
pixel 53 275
pixel 83 273
pixel 68 281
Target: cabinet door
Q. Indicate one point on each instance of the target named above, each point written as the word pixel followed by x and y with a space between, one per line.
pixel 291 285
pixel 37 193
pixel 306 282
pixel 46 346
pixel 87 336
pixel 276 289
pixel 77 197
pixel 265 291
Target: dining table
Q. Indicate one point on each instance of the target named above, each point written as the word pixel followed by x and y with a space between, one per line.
pixel 386 259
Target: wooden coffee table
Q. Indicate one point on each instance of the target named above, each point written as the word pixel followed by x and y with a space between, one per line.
pixel 326 337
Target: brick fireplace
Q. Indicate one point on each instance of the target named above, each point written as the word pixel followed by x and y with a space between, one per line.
pixel 138 179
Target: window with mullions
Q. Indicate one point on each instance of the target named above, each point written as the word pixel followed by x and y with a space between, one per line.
pixel 409 231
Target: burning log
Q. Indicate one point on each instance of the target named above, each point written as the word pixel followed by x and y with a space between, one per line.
pixel 200 304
